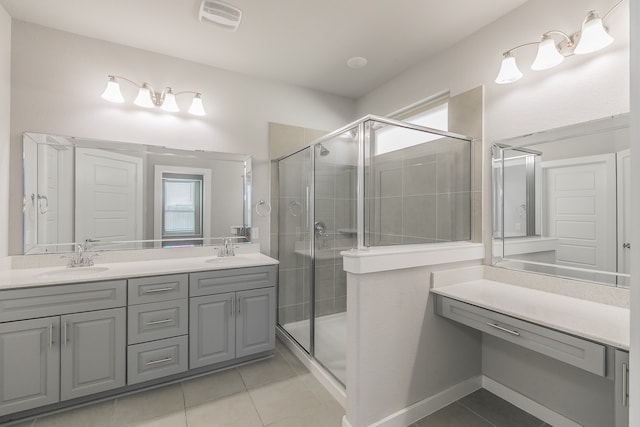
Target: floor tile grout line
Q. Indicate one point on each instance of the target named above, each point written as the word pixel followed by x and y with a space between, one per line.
pixel 255 408
pixel 475 413
pixel 184 402
pixel 246 389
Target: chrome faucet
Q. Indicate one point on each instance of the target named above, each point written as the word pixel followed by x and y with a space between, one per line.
pixel 227 248
pixel 81 258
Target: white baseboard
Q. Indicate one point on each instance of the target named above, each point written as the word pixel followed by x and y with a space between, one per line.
pixel 345 422
pixel 331 384
pixel 428 406
pixel 526 404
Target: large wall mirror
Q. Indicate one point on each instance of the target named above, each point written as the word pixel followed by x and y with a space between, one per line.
pixel 130 196
pixel 562 202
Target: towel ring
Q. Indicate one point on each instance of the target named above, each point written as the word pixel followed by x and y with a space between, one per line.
pixel 263 208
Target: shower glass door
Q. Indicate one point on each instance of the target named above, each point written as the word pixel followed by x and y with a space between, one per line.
pixel 295 247
pixel 335 168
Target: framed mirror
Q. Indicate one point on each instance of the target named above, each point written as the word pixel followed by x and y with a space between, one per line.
pixel 561 202
pixel 119 195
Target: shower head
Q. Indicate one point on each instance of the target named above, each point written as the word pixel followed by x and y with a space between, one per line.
pixel 323 150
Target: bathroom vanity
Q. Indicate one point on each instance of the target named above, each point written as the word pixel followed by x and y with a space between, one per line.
pixel 573 329
pixel 68 336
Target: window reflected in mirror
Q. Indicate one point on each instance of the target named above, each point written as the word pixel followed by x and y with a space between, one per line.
pixel 181 209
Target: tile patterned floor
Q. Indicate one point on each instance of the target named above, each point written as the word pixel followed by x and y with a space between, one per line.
pixel 278 392
pixel 480 409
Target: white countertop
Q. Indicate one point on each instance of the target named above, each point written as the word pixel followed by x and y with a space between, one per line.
pixel 603 323
pixel 18 278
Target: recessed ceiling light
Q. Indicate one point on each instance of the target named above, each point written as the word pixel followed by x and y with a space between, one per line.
pixel 356 62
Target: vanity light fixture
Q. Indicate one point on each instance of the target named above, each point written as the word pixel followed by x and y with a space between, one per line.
pixel 592 37
pixel 148 97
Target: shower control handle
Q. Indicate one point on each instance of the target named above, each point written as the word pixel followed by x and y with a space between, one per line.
pixel 320 228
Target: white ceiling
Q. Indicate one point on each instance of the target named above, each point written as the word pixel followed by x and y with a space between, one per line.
pixel 300 42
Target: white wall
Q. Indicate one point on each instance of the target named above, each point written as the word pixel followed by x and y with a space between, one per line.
pixel 5 105
pixel 634 392
pixel 58 78
pixel 581 88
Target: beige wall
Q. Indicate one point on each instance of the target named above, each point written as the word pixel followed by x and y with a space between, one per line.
pixel 5 105
pixel 58 78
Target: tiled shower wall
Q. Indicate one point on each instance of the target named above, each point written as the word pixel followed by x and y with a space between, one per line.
pixel 335 203
pixel 421 194
pixel 294 279
pixel 335 206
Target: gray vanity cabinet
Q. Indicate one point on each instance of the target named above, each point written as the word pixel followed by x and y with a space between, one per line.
pixel 92 352
pixel 60 342
pixel 157 327
pixel 29 364
pixel 212 330
pixel 621 394
pixel 231 314
pixel 63 342
pixel 255 321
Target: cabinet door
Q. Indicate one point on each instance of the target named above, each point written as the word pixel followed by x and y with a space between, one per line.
pixel 29 364
pixel 93 350
pixel 255 321
pixel 621 394
pixel 211 330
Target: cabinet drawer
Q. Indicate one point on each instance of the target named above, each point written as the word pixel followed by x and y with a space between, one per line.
pixel 16 304
pixel 157 288
pixel 156 359
pixel 575 351
pixel 158 320
pixel 231 280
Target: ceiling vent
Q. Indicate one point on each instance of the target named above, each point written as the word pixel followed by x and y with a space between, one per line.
pixel 220 13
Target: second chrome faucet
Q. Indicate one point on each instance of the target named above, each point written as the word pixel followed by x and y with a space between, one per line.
pixel 227 248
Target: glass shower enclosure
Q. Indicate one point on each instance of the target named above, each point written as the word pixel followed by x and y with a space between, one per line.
pixel 375 182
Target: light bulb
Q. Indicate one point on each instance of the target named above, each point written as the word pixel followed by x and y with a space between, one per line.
pixel 197 109
pixel 509 71
pixel 144 97
pixel 548 55
pixel 593 36
pixel 112 91
pixel 169 103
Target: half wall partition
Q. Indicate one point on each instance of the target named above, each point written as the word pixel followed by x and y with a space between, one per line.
pixel 375 182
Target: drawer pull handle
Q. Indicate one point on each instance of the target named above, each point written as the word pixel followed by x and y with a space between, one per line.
pixel 503 329
pixel 158 322
pixel 150 291
pixel 625 385
pixel 155 362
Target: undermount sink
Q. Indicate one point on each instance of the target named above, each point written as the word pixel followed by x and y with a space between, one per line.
pixel 71 273
pixel 226 259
